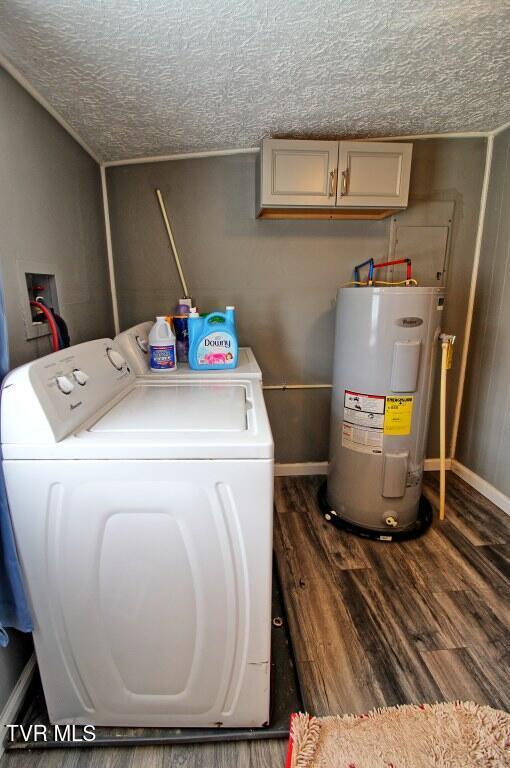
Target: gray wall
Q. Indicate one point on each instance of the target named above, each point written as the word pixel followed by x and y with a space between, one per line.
pixel 281 275
pixel 484 435
pixel 50 213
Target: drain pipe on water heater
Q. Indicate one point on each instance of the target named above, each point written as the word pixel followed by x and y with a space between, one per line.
pixel 447 342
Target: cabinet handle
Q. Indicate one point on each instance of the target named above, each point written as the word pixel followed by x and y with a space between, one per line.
pixel 332 182
pixel 343 184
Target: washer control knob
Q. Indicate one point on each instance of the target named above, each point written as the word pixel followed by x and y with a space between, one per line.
pixel 115 359
pixel 65 384
pixel 80 376
pixel 143 344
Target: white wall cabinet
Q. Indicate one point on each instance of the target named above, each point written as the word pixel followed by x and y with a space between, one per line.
pixel 373 174
pixel 299 172
pixel 336 175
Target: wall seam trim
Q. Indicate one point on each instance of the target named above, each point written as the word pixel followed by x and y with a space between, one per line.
pixel 181 156
pixel 472 294
pixel 109 249
pixel 256 150
pixel 500 129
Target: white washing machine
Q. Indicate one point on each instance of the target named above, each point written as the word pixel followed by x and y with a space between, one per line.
pixel 142 512
pixel 134 344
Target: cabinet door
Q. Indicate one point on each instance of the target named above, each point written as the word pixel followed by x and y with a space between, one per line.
pixel 373 174
pixel 299 172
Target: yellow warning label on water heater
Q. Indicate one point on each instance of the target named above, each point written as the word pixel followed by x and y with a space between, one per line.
pixel 397 415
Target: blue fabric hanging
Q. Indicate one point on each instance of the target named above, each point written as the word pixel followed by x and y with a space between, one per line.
pixel 13 604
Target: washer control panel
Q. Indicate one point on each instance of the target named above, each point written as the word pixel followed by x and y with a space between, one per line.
pixel 66 376
pixel 65 389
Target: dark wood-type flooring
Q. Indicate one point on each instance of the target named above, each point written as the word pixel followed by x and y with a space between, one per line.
pixel 377 624
pixel 372 624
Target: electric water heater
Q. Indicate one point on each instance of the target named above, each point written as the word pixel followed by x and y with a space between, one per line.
pixel 385 348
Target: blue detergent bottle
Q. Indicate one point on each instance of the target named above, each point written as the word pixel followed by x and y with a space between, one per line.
pixel 212 341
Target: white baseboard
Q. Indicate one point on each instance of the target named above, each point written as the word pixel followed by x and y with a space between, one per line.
pixel 482 486
pixel 303 468
pixel 15 700
pixel 321 467
pixel 432 465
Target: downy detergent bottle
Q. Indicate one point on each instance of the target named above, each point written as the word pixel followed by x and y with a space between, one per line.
pixel 162 346
pixel 212 340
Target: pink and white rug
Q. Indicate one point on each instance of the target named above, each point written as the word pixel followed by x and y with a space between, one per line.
pixel 450 735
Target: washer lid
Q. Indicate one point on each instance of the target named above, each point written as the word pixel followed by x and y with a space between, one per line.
pixel 162 420
pixel 105 412
pixel 179 420
pixel 178 407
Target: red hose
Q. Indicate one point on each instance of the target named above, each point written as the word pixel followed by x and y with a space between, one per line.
pixel 51 322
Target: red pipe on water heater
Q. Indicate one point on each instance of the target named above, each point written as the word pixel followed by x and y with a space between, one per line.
pixel 397 261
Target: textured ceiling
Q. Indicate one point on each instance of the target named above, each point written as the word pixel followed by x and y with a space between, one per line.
pixel 148 77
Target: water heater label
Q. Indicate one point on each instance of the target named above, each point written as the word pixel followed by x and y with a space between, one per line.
pixel 364 403
pixel 362 439
pixel 362 428
pixel 398 416
pixel 364 418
